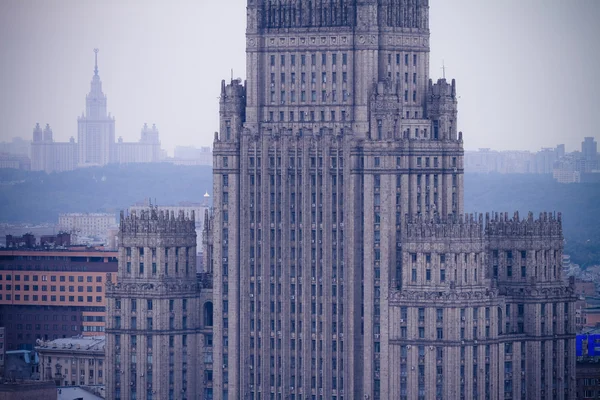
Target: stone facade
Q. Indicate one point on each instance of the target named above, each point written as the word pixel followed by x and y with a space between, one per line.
pixel 343 265
pixel 156 336
pixel 73 361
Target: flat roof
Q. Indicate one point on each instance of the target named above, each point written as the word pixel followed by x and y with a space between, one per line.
pixel 75 392
pixel 88 343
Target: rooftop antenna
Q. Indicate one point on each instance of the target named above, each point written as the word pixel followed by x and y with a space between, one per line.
pixel 443 70
pixel 231 75
pixel 96 61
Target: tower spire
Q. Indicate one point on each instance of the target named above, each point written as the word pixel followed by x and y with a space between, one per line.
pixel 96 61
pixel 443 69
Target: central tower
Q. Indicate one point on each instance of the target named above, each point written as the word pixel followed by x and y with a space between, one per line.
pixel 95 129
pixel 337 134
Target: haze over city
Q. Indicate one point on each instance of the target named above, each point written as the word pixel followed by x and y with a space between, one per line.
pixel 525 71
pixel 355 217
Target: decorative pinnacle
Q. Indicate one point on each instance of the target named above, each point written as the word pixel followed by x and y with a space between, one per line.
pixel 96 65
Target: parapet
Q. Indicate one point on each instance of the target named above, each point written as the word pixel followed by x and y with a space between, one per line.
pixel 442 89
pixel 547 225
pixel 152 220
pixel 468 226
pixel 234 90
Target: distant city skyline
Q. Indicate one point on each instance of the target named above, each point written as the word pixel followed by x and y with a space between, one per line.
pixel 525 72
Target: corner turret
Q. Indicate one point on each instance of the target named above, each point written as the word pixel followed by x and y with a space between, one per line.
pixel 442 109
pixel 232 107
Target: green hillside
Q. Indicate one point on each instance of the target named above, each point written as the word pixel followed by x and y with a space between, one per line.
pixel 36 197
pixel 578 203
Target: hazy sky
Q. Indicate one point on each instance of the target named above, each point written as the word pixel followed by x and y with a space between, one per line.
pixel 526 71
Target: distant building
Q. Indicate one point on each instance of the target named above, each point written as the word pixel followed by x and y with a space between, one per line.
pixel 578 167
pixel 91 225
pixel 61 239
pixel 96 128
pixel 147 150
pixel 95 144
pixel 50 156
pixel 17 146
pixel 73 361
pixel 15 161
pixel 503 162
pixel 49 294
pixel 565 170
pixel 589 155
pixel 26 241
pixel 25 390
pixel 189 155
pixel 544 160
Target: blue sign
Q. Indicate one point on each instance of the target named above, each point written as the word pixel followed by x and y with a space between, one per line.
pixel 592 342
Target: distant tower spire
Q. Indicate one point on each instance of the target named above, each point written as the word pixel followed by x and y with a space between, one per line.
pixel 96 63
pixel 443 70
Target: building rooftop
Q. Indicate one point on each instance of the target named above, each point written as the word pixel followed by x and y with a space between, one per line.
pixel 27 355
pixel 72 250
pixel 75 392
pixel 86 343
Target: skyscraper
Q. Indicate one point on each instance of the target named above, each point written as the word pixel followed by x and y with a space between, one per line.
pixel 95 129
pixel 589 153
pixel 343 265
